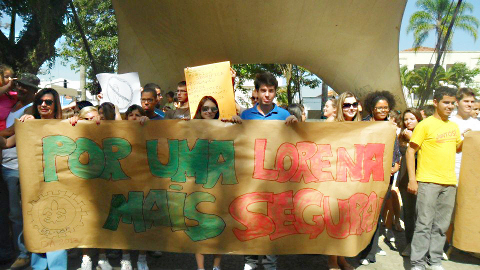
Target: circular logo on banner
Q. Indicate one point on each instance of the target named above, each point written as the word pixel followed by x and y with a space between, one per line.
pixel 56 214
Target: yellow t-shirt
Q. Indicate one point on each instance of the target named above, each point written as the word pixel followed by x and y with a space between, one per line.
pixel 438 142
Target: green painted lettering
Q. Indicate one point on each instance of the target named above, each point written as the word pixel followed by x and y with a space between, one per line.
pixel 130 211
pixel 96 159
pixel 114 150
pixel 157 168
pixel 176 203
pixel 209 225
pixel 224 168
pixel 54 146
pixel 159 216
pixel 192 163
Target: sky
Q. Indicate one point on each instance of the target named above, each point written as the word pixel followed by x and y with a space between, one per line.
pixel 461 42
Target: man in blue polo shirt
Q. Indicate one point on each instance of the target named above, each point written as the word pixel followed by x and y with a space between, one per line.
pixel 266 86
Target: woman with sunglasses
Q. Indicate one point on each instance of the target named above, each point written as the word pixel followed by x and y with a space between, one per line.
pixel 347 110
pixel 207 109
pixel 46 105
pixel 378 104
pixel 411 117
pixel 348 103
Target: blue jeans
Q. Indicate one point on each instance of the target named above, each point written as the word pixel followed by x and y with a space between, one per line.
pixel 54 260
pixel 11 179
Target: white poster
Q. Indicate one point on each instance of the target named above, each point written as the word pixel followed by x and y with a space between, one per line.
pixel 122 90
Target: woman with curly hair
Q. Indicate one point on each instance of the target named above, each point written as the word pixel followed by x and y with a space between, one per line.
pixel 378 105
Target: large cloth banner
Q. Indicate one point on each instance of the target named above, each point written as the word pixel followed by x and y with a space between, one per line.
pixel 466 235
pixel 260 187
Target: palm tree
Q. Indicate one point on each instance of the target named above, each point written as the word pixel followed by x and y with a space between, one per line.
pixel 434 14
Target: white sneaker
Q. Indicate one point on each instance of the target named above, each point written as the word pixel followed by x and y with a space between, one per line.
pixel 216 268
pixel 248 267
pixel 364 262
pixel 437 267
pixel 86 263
pixel 382 253
pixel 417 268
pixel 104 265
pixel 126 265
pixel 142 265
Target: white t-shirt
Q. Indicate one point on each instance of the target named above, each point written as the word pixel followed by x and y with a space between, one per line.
pixel 472 124
pixel 9 156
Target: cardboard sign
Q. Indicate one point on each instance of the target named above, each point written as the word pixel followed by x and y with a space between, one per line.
pixel 213 80
pixel 466 235
pixel 123 90
pixel 260 187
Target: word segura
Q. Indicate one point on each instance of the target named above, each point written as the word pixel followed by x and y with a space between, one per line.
pixel 207 161
pixel 285 214
pixel 162 208
pixel 367 163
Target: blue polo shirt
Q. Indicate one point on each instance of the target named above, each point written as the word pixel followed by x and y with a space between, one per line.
pixel 276 113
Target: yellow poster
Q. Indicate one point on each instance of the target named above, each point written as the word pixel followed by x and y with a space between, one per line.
pixel 260 187
pixel 213 80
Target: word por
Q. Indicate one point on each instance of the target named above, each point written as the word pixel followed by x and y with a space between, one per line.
pixel 357 214
pixel 171 210
pixel 207 161
pixel 368 162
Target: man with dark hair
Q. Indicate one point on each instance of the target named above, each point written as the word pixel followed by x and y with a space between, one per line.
pixel 266 86
pixel 433 179
pixel 26 87
pixel 183 110
pixel 428 110
pixel 157 89
pixel 149 101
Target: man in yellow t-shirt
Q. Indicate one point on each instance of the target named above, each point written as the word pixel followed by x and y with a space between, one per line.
pixel 437 140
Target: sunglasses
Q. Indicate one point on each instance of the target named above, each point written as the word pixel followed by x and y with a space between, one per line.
pixel 212 109
pixel 49 102
pixel 348 105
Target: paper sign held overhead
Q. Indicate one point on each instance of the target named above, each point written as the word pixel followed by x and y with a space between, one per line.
pixel 123 90
pixel 213 80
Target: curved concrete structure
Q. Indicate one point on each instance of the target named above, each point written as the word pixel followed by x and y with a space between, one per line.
pixel 350 44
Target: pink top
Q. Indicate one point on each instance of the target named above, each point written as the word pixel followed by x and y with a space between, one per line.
pixel 7 101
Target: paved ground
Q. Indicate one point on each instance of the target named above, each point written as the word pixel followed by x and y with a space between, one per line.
pixel 173 261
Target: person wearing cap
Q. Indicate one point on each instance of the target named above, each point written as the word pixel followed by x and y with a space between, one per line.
pixel 26 87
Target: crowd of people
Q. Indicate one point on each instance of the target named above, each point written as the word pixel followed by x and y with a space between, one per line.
pixel 424 173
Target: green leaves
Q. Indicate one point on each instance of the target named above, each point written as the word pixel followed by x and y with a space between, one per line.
pixel 435 15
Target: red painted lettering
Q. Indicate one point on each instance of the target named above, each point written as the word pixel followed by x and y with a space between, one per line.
pixel 373 162
pixel 318 164
pixel 286 150
pixel 306 150
pixel 259 171
pixel 303 199
pixel 276 211
pixel 257 224
pixel 345 164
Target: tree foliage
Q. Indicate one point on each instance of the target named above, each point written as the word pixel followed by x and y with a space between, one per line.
pixel 43 26
pixel 296 76
pixel 457 75
pixel 435 15
pixel 97 19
